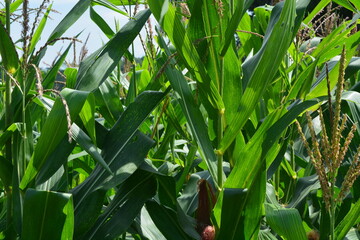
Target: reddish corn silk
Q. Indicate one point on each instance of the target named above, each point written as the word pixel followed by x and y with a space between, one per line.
pixel 208 233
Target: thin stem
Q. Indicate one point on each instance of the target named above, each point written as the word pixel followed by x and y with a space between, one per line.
pixel 332 213
pixel 22 165
pixel 8 121
pixel 220 128
pixel 8 112
pixel 221 120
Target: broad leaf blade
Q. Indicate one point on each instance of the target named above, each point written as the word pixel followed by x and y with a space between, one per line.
pixel 286 222
pixel 231 226
pixel 47 215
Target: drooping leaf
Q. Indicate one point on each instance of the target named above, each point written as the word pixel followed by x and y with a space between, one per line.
pixel 100 22
pixel 55 128
pixel 88 145
pixel 109 5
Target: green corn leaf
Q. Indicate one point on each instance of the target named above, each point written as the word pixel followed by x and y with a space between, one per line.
pixel 70 74
pixel 54 130
pixel 100 22
pixel 346 4
pixel 232 26
pixel 87 213
pixel 121 147
pixel 319 7
pixel 254 207
pixel 8 52
pixel 107 99
pixel 126 2
pixel 286 222
pixel 166 220
pixel 126 205
pixel 195 120
pixel 303 187
pixel 50 77
pixel 232 85
pixel 122 164
pixel 263 140
pixel 165 14
pixel 319 87
pixel 75 13
pixel 87 114
pixel 55 161
pixel 39 208
pixel 108 5
pixel 96 68
pixel 13 7
pixel 356 4
pixel 87 144
pixel 39 30
pixel 262 67
pixel 231 226
pixel 147 226
pixel 8 132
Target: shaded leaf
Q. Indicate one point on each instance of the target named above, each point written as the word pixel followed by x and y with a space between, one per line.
pixel 124 207
pixel 55 128
pixel 39 208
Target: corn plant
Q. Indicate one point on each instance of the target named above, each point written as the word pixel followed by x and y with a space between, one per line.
pixel 197 140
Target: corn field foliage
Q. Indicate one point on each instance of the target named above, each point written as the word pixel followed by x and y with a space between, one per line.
pixel 236 124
